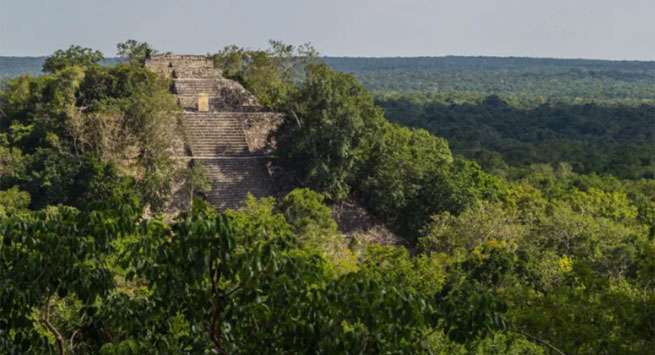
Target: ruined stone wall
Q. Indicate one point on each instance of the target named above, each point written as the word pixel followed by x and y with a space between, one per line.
pixel 223 94
pixel 258 128
pixel 165 65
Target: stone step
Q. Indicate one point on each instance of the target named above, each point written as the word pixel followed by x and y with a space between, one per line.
pixel 237 135
pixel 240 115
pixel 196 73
pixel 209 141
pixel 233 179
pixel 166 65
pixel 183 87
pixel 229 135
pixel 217 148
pixel 214 134
pixel 224 94
pixel 214 127
pixel 203 127
pixel 217 126
pixel 187 61
pixel 213 131
pixel 189 102
pixel 213 120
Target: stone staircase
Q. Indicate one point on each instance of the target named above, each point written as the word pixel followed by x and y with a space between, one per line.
pixel 197 86
pixel 211 134
pixel 217 138
pixel 195 72
pixel 233 178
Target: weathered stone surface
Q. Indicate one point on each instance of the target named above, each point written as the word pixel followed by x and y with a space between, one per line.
pixel 224 128
pixel 225 95
pixel 215 134
pixel 257 129
pixel 233 178
pixel 203 103
pixel 166 65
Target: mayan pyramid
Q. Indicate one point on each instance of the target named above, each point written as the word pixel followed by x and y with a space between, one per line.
pixel 224 128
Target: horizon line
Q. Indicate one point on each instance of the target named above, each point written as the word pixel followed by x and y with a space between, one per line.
pixel 481 56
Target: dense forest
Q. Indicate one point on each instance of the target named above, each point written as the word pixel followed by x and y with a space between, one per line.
pixel 526 254
pixel 15 66
pixel 616 139
pixel 533 79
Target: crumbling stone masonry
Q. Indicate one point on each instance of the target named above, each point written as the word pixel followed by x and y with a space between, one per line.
pixel 224 128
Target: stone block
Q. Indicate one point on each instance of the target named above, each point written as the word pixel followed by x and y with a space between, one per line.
pixel 203 103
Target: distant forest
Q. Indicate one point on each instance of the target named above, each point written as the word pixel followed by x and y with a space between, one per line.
pixel 531 79
pixel 14 66
pixel 593 138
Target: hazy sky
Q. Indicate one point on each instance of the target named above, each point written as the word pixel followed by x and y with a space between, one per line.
pixel 613 29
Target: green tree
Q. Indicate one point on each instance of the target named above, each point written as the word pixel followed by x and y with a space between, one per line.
pixel 47 256
pixel 136 52
pixel 481 223
pixel 330 129
pixel 398 166
pixel 12 201
pixel 54 125
pixel 453 189
pixel 269 74
pixel 305 212
pixel 73 56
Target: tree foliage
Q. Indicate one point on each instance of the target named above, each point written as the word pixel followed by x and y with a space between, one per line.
pixel 331 125
pixel 505 137
pixel 136 52
pixel 61 128
pixel 73 56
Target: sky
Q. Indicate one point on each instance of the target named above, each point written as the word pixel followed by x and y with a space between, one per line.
pixel 602 29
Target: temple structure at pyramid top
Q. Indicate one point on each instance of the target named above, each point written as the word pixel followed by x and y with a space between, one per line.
pixel 223 126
